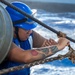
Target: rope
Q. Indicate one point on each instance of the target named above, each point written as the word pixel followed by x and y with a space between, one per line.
pixel 59 57
pixel 72 56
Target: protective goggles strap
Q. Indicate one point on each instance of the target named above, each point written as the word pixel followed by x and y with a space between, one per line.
pixel 19 21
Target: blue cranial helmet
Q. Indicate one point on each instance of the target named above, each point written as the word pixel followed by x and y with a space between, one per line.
pixel 16 16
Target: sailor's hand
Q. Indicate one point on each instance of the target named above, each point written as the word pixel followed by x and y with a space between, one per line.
pixel 62 43
pixel 52 42
pixel 49 42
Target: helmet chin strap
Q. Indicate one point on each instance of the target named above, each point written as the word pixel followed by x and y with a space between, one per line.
pixel 16 33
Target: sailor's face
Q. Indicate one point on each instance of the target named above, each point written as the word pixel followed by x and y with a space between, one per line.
pixel 23 34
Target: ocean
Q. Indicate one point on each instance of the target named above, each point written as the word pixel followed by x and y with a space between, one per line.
pixel 64 22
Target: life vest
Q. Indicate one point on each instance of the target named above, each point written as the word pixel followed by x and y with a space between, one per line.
pixel 24 45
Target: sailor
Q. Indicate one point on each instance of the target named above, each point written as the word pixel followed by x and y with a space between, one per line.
pixel 30 46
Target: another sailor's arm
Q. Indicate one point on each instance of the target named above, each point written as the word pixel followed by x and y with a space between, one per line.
pixel 40 41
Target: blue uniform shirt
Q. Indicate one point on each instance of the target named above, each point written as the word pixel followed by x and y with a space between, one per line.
pixel 26 71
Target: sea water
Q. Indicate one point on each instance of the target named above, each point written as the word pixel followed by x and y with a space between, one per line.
pixel 64 22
